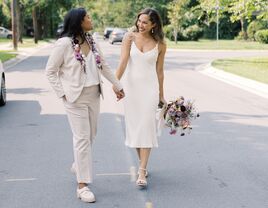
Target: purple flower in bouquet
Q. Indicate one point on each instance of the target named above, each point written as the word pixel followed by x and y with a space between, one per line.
pixel 172 111
pixel 179 114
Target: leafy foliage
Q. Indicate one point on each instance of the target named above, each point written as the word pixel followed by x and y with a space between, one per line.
pixel 262 36
pixel 254 27
pixel 183 16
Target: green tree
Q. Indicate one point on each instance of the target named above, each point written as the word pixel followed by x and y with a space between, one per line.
pixel 176 12
pixel 5 14
pixel 246 10
pixel 260 9
pixel 239 11
pixel 44 15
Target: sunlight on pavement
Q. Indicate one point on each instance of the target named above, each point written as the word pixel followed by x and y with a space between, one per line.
pixel 149 205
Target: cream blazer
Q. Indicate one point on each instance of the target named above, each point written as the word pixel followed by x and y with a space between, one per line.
pixel 66 74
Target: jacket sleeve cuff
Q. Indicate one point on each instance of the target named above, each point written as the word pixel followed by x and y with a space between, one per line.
pixel 118 86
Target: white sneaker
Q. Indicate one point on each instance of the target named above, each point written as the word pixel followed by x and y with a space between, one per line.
pixel 85 195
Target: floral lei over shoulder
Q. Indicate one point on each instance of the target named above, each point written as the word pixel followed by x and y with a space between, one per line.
pixel 81 57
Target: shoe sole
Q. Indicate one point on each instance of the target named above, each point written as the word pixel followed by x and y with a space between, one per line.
pixel 87 201
pixel 141 186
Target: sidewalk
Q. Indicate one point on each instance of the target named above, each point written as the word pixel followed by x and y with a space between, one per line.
pixel 249 85
pixel 23 53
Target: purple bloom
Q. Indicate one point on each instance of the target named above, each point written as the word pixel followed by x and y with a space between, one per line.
pixel 178 116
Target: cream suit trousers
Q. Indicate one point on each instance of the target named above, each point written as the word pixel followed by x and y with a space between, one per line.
pixel 83 118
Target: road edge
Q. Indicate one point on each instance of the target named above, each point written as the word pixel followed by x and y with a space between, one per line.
pixel 24 54
pixel 249 85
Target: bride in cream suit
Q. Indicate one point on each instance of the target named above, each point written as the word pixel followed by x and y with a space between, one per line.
pixel 74 71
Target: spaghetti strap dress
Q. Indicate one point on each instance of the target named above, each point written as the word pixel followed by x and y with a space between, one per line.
pixel 142 97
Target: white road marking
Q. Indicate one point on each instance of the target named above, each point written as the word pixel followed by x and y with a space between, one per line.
pixel 20 179
pixel 112 174
pixel 132 173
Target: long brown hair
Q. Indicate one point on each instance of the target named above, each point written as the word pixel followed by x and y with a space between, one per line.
pixel 155 18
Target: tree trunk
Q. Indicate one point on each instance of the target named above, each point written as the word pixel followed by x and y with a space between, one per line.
pixel 35 26
pixel 14 24
pixel 175 34
pixel 242 25
pixel 243 28
pixel 20 23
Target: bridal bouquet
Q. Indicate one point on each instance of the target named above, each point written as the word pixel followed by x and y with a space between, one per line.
pixel 178 115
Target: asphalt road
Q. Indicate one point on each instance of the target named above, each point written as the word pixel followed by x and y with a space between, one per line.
pixel 221 164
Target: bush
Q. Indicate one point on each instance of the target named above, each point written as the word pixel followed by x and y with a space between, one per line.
pixel 241 36
pixel 262 36
pixel 253 27
pixel 193 32
pixel 168 30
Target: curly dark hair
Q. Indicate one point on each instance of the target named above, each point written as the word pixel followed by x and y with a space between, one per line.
pixel 155 18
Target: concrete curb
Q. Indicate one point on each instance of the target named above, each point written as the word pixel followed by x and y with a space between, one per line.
pixel 249 85
pixel 22 55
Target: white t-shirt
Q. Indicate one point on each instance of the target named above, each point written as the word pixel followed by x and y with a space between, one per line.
pixel 91 70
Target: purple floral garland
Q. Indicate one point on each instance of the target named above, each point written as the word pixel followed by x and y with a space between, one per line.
pixel 81 57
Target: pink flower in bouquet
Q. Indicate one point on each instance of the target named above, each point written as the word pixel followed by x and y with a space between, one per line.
pixel 173 131
pixel 179 114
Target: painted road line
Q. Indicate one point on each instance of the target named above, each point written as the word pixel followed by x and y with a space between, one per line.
pixel 20 179
pixel 112 174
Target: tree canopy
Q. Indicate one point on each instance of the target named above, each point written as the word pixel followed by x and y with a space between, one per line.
pixel 186 18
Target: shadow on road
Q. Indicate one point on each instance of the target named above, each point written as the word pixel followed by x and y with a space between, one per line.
pixel 26 91
pixel 32 63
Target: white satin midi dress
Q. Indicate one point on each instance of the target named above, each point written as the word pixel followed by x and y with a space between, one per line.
pixel 142 97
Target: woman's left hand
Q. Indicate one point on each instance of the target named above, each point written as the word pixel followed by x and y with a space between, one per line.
pixel 162 102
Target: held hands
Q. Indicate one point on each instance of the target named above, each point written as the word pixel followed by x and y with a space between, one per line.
pixel 119 94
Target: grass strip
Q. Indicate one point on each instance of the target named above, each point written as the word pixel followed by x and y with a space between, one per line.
pixel 255 68
pixel 217 45
pixel 6 55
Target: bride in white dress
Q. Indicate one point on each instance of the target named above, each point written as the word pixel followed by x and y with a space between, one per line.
pixel 142 60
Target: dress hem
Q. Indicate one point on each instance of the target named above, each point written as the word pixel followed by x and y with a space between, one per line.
pixel 131 146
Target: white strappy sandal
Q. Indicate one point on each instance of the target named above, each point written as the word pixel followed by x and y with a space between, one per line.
pixel 146 173
pixel 142 183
